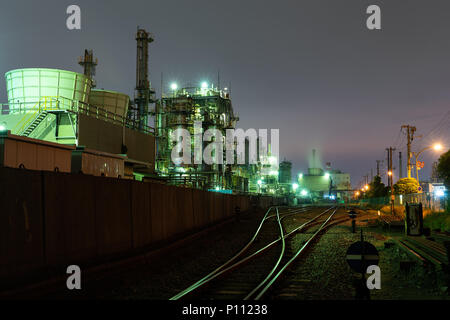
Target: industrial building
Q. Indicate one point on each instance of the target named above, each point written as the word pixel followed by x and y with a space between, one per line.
pixel 179 110
pixel 318 184
pixel 107 133
pixel 285 177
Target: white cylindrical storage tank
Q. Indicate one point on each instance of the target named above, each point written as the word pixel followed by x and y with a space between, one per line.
pixel 26 87
pixel 111 101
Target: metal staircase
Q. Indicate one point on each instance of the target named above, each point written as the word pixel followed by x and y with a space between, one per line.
pixel 34 123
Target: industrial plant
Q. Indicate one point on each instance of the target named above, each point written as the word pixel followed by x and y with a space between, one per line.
pixel 57 120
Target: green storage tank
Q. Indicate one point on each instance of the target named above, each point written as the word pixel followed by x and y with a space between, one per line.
pixel 26 87
pixel 111 101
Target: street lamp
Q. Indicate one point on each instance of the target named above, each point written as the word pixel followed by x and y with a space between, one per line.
pixel 435 147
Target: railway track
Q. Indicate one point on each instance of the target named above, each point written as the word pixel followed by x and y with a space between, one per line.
pixel 269 253
pixel 426 250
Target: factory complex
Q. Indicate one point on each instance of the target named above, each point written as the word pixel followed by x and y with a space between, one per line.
pixel 58 120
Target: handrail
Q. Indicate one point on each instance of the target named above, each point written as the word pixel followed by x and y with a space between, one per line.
pixel 53 103
pixel 22 125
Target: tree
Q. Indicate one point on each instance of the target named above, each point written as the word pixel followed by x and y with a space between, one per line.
pixel 406 185
pixel 377 189
pixel 443 168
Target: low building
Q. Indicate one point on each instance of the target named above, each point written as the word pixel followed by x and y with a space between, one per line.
pixel 318 184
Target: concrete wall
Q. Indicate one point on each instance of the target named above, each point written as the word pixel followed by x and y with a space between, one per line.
pixel 99 135
pixel 109 137
pixel 50 220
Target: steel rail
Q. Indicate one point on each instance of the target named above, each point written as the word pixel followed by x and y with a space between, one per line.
pixel 213 274
pixel 283 247
pixel 296 211
pixel 218 271
pixel 277 276
pixel 199 282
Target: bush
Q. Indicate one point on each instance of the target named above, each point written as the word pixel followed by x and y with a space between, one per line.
pixel 406 186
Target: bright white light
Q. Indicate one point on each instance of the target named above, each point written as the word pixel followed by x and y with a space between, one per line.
pixel 272 160
pixel 173 86
pixel 332 197
pixel 2 128
pixel 437 147
pixel 217 188
pixel 295 186
pixel 259 182
pixel 304 192
pixel 204 85
pixel 300 176
pixel 439 193
pixel 327 175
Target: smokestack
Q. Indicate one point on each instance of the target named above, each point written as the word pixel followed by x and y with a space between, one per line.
pixel 314 158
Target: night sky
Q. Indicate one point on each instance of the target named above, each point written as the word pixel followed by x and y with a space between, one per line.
pixel 309 68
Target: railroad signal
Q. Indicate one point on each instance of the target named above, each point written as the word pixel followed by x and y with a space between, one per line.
pixel 352 215
pixel 361 255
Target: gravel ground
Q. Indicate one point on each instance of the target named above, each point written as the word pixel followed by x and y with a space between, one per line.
pixel 173 272
pixel 323 273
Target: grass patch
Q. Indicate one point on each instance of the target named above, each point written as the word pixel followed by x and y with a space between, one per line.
pixel 438 220
pixel 399 211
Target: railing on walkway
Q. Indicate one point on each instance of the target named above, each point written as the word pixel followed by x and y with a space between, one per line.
pixel 31 111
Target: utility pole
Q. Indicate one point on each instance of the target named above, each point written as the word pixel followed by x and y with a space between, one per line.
pixel 389 166
pixel 400 167
pixel 390 176
pixel 410 137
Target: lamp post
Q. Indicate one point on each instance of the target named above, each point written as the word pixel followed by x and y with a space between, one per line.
pixel 174 88
pixel 436 147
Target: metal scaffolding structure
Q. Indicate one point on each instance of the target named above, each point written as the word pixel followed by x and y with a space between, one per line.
pixel 180 110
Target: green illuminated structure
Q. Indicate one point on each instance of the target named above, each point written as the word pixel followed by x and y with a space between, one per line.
pixel 179 110
pixel 40 98
pixel 59 106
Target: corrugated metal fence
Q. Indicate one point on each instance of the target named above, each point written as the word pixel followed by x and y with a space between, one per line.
pixel 52 220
